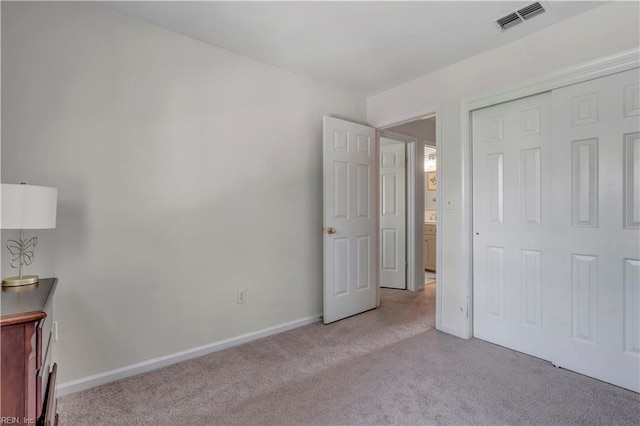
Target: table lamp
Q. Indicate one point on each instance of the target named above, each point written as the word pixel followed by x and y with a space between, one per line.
pixel 26 207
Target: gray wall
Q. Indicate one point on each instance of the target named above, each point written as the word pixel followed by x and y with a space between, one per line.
pixel 185 172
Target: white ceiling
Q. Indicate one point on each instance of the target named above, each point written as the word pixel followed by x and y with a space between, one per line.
pixel 363 47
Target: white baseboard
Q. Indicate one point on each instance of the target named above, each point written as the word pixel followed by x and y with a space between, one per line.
pixel 88 382
pixel 450 330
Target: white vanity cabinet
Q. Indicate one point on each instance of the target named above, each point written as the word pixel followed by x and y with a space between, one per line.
pixel 430 247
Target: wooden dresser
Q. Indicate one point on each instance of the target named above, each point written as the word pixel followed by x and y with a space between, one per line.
pixel 28 377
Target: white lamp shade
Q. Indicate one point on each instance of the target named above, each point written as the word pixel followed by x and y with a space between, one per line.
pixel 28 207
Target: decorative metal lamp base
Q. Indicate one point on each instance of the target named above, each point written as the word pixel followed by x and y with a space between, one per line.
pixel 22 252
pixel 19 281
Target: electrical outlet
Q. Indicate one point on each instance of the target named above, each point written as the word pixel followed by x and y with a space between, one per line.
pixel 242 296
pixel 55 331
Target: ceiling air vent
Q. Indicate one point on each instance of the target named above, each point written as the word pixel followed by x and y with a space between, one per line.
pixel 509 21
pixel 520 15
pixel 531 10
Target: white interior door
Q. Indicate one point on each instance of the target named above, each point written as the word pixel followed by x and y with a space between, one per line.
pixel 556 202
pixel 596 228
pixel 392 214
pixel 349 219
pixel 511 216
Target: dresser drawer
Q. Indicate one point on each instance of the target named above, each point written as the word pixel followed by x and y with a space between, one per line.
pixel 50 407
pixel 430 229
pixel 43 331
pixel 42 374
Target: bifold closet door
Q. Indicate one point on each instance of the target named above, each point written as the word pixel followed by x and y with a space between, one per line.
pixel 511 231
pixel 556 199
pixel 596 228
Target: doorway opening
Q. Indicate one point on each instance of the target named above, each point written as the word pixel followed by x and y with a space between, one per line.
pixel 408 207
pixel 351 216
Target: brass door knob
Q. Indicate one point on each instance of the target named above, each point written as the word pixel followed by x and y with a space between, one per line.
pixel 331 230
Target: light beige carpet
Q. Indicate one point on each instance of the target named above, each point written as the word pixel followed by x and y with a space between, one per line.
pixel 386 366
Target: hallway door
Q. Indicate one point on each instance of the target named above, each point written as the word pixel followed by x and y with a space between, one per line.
pixel 393 259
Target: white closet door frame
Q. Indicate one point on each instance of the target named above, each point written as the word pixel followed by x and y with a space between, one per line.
pixel 599 68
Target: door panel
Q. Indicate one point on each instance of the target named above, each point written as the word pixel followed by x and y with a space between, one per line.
pixel 392 215
pixel 597 246
pixel 511 210
pixel 350 268
pixel 556 211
